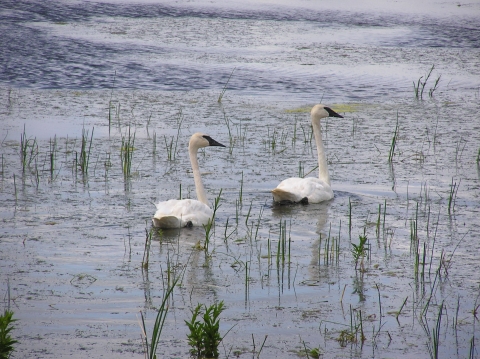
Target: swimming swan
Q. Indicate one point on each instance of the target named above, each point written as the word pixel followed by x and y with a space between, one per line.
pixel 310 189
pixel 188 212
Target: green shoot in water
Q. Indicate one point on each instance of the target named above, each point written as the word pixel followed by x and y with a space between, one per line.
pixel 204 337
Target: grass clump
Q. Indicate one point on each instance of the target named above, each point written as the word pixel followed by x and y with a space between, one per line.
pixel 151 347
pixel 6 341
pixel 419 87
pixel 126 152
pixel 210 226
pixel 359 251
pixel 204 337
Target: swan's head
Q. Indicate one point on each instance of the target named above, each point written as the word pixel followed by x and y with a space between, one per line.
pixel 321 111
pixel 199 140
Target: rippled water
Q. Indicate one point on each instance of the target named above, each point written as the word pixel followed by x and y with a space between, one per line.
pixel 279 50
pixel 72 245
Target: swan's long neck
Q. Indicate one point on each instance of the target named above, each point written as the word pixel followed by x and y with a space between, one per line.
pixel 322 159
pixel 192 151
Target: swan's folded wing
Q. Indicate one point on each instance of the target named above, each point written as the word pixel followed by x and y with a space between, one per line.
pixel 295 189
pixel 317 190
pixel 280 195
pixel 180 212
pixel 288 190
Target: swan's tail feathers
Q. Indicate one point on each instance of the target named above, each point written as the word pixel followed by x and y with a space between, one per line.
pixel 279 195
pixel 166 222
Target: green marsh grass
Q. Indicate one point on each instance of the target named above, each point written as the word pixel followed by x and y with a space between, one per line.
pixel 146 250
pixel 261 347
pixel 110 104
pixel 171 147
pixel 419 87
pixel 7 343
pixel 397 314
pixel 210 226
pixel 306 174
pixel 231 138
pixel 359 251
pixel 433 346
pixel 151 346
pixel 240 195
pixel 377 226
pixel 28 150
pixel 452 196
pixel 126 152
pixel 391 153
pixel 349 218
pixel 171 151
pixel 225 87
pixel 204 326
pixel 154 144
pixel 247 281
pixel 85 150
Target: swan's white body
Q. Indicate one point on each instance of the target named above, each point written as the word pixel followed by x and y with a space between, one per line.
pixel 310 189
pixel 188 212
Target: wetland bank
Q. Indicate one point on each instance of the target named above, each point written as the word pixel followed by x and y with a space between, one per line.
pixel 92 81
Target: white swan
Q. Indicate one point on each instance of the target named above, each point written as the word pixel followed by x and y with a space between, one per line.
pixel 188 212
pixel 310 189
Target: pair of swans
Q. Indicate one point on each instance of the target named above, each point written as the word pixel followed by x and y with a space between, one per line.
pixel 189 212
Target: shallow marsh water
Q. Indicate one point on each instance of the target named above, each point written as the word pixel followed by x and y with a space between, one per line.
pixel 72 245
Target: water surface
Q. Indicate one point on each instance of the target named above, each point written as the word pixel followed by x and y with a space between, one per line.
pixel 73 243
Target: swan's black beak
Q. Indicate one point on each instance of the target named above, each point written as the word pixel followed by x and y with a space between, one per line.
pixel 332 113
pixel 212 142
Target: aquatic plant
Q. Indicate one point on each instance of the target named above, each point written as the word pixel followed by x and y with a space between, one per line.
pixel 204 337
pixel 314 353
pixel 146 251
pixel 231 139
pixel 225 87
pixel 6 340
pixel 261 347
pixel 85 152
pixel 452 196
pixel 52 156
pixel 211 222
pixel 28 150
pixel 154 143
pixel 420 86
pixel 391 153
pixel 110 104
pixel 151 348
pixel 433 346
pixel 172 146
pixel 126 152
pixel 359 251
pixel 397 314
